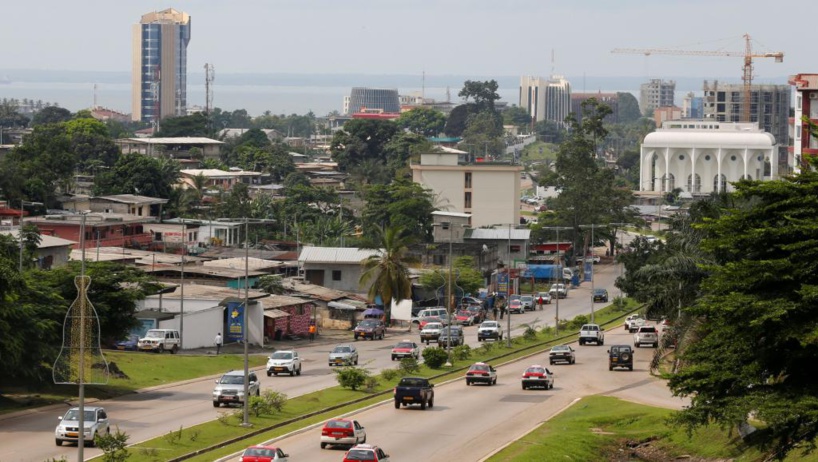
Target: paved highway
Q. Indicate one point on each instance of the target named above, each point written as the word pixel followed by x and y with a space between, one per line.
pixel 29 436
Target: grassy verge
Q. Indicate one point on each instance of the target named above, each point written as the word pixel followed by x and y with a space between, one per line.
pixel 605 428
pixel 142 370
pixel 189 440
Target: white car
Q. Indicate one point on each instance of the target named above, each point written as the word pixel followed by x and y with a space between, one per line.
pixel 431 332
pixel 646 335
pixel 630 318
pixel 230 388
pixel 284 362
pixel 160 340
pixel 95 422
pixel 490 329
pixel 635 324
pixel 559 290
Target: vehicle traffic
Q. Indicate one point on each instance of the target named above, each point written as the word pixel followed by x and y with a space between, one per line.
pixel 160 340
pixel 481 373
pixel 264 454
pixel 284 362
pixel 347 432
pixel 129 344
pixel 464 317
pixel 528 302
pixel 95 422
pixel 591 333
pixel 620 356
pixel 559 290
pixel 600 295
pixel 366 452
pixel 230 388
pixel 516 306
pixel 404 349
pixel 537 376
pixel 646 335
pixel 430 332
pixel 450 335
pixel 414 390
pixel 370 329
pixel 489 330
pixel 562 353
pixel 343 355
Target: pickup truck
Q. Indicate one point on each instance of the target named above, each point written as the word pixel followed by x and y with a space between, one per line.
pixel 414 390
pixel 591 333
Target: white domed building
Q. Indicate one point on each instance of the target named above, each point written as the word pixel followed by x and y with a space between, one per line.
pixel 702 157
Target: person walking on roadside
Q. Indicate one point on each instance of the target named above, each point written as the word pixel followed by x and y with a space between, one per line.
pixel 218 342
pixel 312 331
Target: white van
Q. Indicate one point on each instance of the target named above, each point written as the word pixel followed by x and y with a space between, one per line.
pixel 160 340
pixel 439 312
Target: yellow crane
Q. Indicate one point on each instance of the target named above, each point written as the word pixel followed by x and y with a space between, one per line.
pixel 747 54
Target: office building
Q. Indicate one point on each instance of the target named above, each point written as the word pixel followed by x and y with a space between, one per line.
pixel 692 106
pixel 546 99
pixel 380 100
pixel 159 80
pixel 656 93
pixel 804 145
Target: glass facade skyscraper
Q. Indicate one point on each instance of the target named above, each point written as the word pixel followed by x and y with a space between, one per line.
pixel 378 99
pixel 160 65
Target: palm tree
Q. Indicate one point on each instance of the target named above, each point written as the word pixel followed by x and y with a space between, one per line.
pixel 387 270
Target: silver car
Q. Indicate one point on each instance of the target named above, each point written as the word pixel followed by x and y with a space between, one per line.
pixel 95 422
pixel 343 355
pixel 230 388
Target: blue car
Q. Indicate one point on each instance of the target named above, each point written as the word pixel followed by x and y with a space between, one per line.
pixel 128 344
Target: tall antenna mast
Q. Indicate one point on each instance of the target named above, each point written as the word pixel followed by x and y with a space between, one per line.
pixel 210 75
pixel 423 89
pixel 448 95
pixel 95 96
pixel 552 62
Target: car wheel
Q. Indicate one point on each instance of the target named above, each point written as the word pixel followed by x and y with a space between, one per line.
pixel 610 367
pixel 292 372
pixel 269 373
pixel 397 404
pixel 299 370
pixel 364 441
pixel 356 360
pixel 479 339
pixel 423 405
pixel 90 443
pixel 581 343
pixel 275 374
pixel 551 363
pixel 216 404
pixel 356 338
pixel 656 345
pixel 161 349
pixel 573 361
pixel 59 442
pixel 630 368
pixel 636 345
pixel 524 387
pixel 468 383
pixel 174 349
pixel 323 445
pixel 432 402
pixel 601 342
pixel 551 386
pixel 495 381
pixel 393 357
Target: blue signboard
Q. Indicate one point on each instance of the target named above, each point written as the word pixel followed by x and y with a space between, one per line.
pixel 589 270
pixel 502 284
pixel 235 321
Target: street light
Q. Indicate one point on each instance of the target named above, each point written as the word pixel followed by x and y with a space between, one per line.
pixel 508 270
pixel 618 225
pixel 559 274
pixel 449 301
pixel 592 226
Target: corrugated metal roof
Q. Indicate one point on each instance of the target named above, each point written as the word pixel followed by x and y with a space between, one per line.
pixel 174 140
pixel 497 234
pixel 279 301
pixel 131 199
pixel 335 254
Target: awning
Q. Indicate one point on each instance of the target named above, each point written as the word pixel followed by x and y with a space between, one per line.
pixel 341 306
pixel 275 314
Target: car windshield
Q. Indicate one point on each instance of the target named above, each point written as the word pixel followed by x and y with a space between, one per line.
pixel 232 380
pixel 560 348
pixel 527 298
pixel 489 324
pixel 557 286
pixel 599 291
pixel 411 382
pixel 74 414
pixel 434 325
pixel 360 454
pixel 281 355
pixel 647 329
pixel 479 367
pixel 259 452
pixel 404 345
pixel 339 424
pixel 342 349
pixel 368 323
pixel 154 334
pixel 535 370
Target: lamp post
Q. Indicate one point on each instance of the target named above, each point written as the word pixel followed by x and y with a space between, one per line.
pixel 559 275
pixel 449 290
pixel 508 294
pixel 618 225
pixel 592 226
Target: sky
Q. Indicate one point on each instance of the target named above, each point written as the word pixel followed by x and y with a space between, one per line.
pixel 438 37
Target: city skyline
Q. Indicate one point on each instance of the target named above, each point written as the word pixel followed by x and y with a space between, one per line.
pixel 468 37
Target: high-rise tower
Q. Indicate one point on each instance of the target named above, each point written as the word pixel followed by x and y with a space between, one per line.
pixel 159 77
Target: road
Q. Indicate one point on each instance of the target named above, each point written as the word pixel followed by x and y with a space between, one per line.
pixel 469 423
pixel 29 436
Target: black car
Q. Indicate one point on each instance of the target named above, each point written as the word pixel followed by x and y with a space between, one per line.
pixel 600 295
pixel 370 328
pixel 620 356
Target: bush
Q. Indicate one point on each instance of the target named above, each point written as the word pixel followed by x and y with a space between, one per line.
pixel 409 366
pixel 268 402
pixel 461 352
pixel 114 446
pixel 351 377
pixel 173 437
pixel 370 384
pixel 530 333
pixel 390 374
pixel 435 357
pixel 578 322
pixel 487 347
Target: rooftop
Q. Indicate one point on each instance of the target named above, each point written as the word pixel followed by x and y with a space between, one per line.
pixel 335 254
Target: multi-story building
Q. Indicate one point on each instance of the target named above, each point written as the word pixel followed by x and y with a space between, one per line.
pixel 159 80
pixel 656 93
pixel 546 99
pixel 362 99
pixel 702 157
pixel 532 96
pixel 692 106
pixel 769 108
pixel 489 191
pixel 804 145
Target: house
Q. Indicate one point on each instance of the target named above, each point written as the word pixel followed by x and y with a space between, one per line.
pixel 511 243
pixel 101 229
pixel 176 147
pixel 51 252
pixel 335 309
pixel 338 268
pixel 218 179
pixel 125 204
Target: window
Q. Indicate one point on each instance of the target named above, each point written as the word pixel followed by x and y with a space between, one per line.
pixel 467 200
pixel 514 248
pixel 336 275
pixel 468 180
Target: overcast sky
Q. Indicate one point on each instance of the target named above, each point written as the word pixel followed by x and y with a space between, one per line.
pixel 463 37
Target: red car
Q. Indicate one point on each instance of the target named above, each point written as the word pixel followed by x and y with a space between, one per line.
pixel 464 317
pixel 366 452
pixel 537 376
pixel 427 319
pixel 342 432
pixel 406 349
pixel 516 306
pixel 264 454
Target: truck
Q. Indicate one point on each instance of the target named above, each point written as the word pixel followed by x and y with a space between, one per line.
pixel 414 390
pixel 549 273
pixel 591 333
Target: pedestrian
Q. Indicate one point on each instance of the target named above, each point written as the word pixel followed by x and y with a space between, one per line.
pixel 540 302
pixel 312 331
pixel 218 342
pixel 494 312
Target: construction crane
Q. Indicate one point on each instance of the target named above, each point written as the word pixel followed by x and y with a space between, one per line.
pixel 747 54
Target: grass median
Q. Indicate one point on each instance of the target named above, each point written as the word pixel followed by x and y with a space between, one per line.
pixel 208 439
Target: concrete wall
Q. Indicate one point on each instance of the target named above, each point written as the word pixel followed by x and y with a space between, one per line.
pixel 350 274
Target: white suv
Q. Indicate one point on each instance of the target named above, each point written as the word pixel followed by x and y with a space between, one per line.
pixel 284 362
pixel 95 422
pixel 230 388
pixel 159 340
pixel 646 334
pixel 489 329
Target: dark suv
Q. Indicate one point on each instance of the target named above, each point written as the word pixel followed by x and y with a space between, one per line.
pixel 620 356
pixel 370 328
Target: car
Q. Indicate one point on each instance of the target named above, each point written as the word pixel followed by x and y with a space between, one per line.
pixel 620 356
pixel 478 312
pixel 439 313
pixel 471 301
pixel 464 317
pixel 342 432
pixel 414 390
pixel 367 452
pixel 263 454
pixel 600 295
pixel 230 388
pixel 627 323
pixel 429 319
pixel 283 362
pixel 160 340
pixel 405 349
pixel 481 373
pixel 528 302
pixel 451 335
pixel 431 332
pixel 516 306
pixel 95 422
pixel 635 324
pixel 590 257
pixel 343 355
pixel 129 344
pixel 545 297
pixel 591 333
pixel 558 290
pixel 537 376
pixel 646 335
pixel 514 297
pixel 489 330
pixel 370 328
pixel 562 353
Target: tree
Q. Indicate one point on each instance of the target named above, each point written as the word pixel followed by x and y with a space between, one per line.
pixel 10 116
pixel 51 115
pixel 466 277
pixel 758 319
pixel 627 109
pixel 550 131
pixel 484 134
pixel 518 117
pixel 456 122
pixel 483 93
pixel 361 140
pixel 138 174
pixel 386 272
pixel 189 125
pixel 422 121
pixel 402 203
